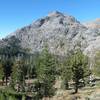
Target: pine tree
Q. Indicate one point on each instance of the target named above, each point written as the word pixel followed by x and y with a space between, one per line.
pixel 7 65
pixel 46 73
pixel 79 63
pixel 66 73
pixel 1 72
pixel 18 75
pixel 31 70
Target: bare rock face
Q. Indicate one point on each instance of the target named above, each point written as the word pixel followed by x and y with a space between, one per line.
pixel 93 36
pixel 61 32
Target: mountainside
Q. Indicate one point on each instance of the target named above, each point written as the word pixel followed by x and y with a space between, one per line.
pixel 93 24
pixel 61 32
pixel 94 30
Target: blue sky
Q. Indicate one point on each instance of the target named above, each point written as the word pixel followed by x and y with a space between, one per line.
pixel 15 14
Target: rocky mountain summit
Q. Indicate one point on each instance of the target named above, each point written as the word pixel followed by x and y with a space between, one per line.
pixel 60 31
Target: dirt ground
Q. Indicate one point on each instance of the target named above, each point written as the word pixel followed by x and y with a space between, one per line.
pixel 88 93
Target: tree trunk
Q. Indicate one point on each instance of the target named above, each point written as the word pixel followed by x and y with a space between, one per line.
pixel 76 87
pixel 2 81
pixel 67 85
pixel 18 89
pixel 6 80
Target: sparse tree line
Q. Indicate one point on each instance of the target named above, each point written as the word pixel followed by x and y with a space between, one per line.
pixel 24 72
